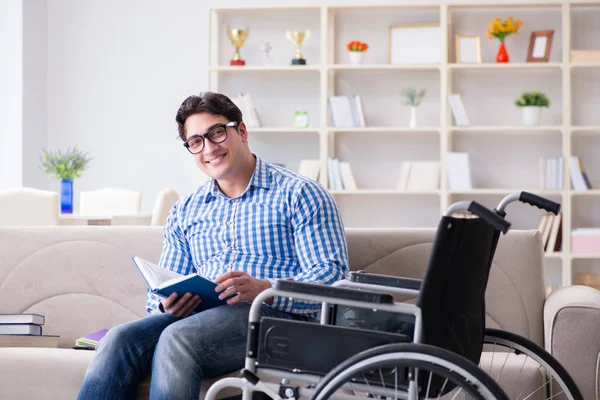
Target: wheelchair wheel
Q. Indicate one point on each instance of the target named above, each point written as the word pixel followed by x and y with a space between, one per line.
pixel 392 372
pixel 540 375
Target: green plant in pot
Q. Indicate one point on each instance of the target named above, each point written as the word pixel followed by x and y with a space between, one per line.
pixel 531 104
pixel 66 167
pixel 413 98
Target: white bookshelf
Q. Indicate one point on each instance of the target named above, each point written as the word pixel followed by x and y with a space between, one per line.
pixel 503 153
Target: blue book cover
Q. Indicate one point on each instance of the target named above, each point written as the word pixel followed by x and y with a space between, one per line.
pixel 164 282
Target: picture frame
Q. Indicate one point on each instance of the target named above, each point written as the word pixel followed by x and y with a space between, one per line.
pixel 540 44
pixel 415 44
pixel 468 49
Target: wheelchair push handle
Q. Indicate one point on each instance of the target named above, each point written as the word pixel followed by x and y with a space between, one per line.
pixel 540 202
pixel 489 216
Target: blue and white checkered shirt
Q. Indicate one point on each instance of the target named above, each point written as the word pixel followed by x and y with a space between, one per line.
pixel 283 226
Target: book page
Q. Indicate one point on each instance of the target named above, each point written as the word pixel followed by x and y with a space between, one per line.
pixel 154 274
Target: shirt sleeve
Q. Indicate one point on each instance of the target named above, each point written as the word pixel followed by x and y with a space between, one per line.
pixel 175 255
pixel 320 242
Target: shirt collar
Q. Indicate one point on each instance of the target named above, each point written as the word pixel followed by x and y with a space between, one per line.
pixel 260 178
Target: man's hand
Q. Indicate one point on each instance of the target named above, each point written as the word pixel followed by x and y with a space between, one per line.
pixel 247 287
pixel 182 307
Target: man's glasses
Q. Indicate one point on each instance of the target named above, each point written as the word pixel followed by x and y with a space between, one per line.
pixel 218 134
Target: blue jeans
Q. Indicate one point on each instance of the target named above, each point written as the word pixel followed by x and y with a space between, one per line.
pixel 179 353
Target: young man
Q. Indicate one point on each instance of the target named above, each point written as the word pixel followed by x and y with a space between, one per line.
pixel 251 224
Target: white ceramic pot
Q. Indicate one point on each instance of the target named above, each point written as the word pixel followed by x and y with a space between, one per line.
pixel 355 57
pixel 531 115
pixel 413 118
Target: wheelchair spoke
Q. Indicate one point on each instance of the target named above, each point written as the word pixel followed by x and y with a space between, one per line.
pixel 457 393
pixel 369 386
pixel 519 379
pixel 428 384
pixel 537 390
pixel 443 387
pixel 504 364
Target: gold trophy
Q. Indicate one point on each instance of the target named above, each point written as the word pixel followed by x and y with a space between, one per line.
pixel 297 38
pixel 237 37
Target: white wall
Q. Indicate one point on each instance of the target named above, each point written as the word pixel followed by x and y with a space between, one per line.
pixel 11 93
pixel 117 72
pixel 35 66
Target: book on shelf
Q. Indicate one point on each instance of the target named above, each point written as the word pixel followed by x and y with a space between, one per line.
pixel 91 340
pixel 551 173
pixel 310 168
pixel 35 319
pixel 458 110
pixel 164 282
pixel 419 175
pixel 29 341
pixel 550 226
pixel 347 112
pixel 340 175
pixel 459 171
pixel 246 106
pixel 579 178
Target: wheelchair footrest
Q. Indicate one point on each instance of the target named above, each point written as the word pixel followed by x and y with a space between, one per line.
pixel 309 347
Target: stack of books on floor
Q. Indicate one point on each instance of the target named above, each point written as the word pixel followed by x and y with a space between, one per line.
pixel 89 342
pixel 24 330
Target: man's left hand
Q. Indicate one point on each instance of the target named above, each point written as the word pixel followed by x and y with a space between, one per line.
pixel 246 286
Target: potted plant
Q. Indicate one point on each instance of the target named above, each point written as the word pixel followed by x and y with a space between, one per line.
pixel 413 99
pixel 500 30
pixel 356 50
pixel 531 104
pixel 66 167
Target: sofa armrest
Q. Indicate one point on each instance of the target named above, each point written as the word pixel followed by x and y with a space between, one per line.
pixel 571 326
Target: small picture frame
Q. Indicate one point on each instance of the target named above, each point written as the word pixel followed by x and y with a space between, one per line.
pixel 540 44
pixel 415 44
pixel 468 49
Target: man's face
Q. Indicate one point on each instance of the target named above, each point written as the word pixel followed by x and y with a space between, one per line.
pixel 218 161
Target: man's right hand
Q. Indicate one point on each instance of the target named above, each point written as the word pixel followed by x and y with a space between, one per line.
pixel 182 307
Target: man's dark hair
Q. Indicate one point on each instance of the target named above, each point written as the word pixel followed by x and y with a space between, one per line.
pixel 207 102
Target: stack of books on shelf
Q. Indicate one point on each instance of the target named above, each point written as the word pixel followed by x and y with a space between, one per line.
pixel 551 173
pixel 90 341
pixel 24 330
pixel 550 226
pixel 419 175
pixel 246 106
pixel 585 241
pixel 579 178
pixel 347 112
pixel 458 110
pixel 340 175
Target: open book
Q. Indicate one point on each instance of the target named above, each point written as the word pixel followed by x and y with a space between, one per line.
pixel 163 282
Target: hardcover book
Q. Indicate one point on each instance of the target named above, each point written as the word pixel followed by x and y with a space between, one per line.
pixel 164 282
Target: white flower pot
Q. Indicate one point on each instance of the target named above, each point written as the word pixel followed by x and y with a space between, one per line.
pixel 413 118
pixel 355 57
pixel 531 115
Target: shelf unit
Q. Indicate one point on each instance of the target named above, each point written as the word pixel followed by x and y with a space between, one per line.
pixel 504 154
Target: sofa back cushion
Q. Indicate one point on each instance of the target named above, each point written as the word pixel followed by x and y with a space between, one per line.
pixel 82 278
pixel 515 293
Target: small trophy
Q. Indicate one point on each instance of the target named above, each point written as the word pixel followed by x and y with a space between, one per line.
pixel 237 37
pixel 297 38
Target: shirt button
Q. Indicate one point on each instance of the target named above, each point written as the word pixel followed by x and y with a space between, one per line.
pixel 229 223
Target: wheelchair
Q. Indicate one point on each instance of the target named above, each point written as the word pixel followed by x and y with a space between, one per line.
pixel 367 345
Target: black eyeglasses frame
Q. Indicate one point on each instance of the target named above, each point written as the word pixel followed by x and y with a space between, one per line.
pixel 232 124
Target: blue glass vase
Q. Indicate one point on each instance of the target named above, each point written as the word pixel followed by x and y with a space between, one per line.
pixel 66 197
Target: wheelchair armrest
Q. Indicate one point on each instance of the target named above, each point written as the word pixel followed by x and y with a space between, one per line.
pixel 386 280
pixel 317 289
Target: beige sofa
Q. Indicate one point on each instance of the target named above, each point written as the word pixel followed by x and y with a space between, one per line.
pixel 82 279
